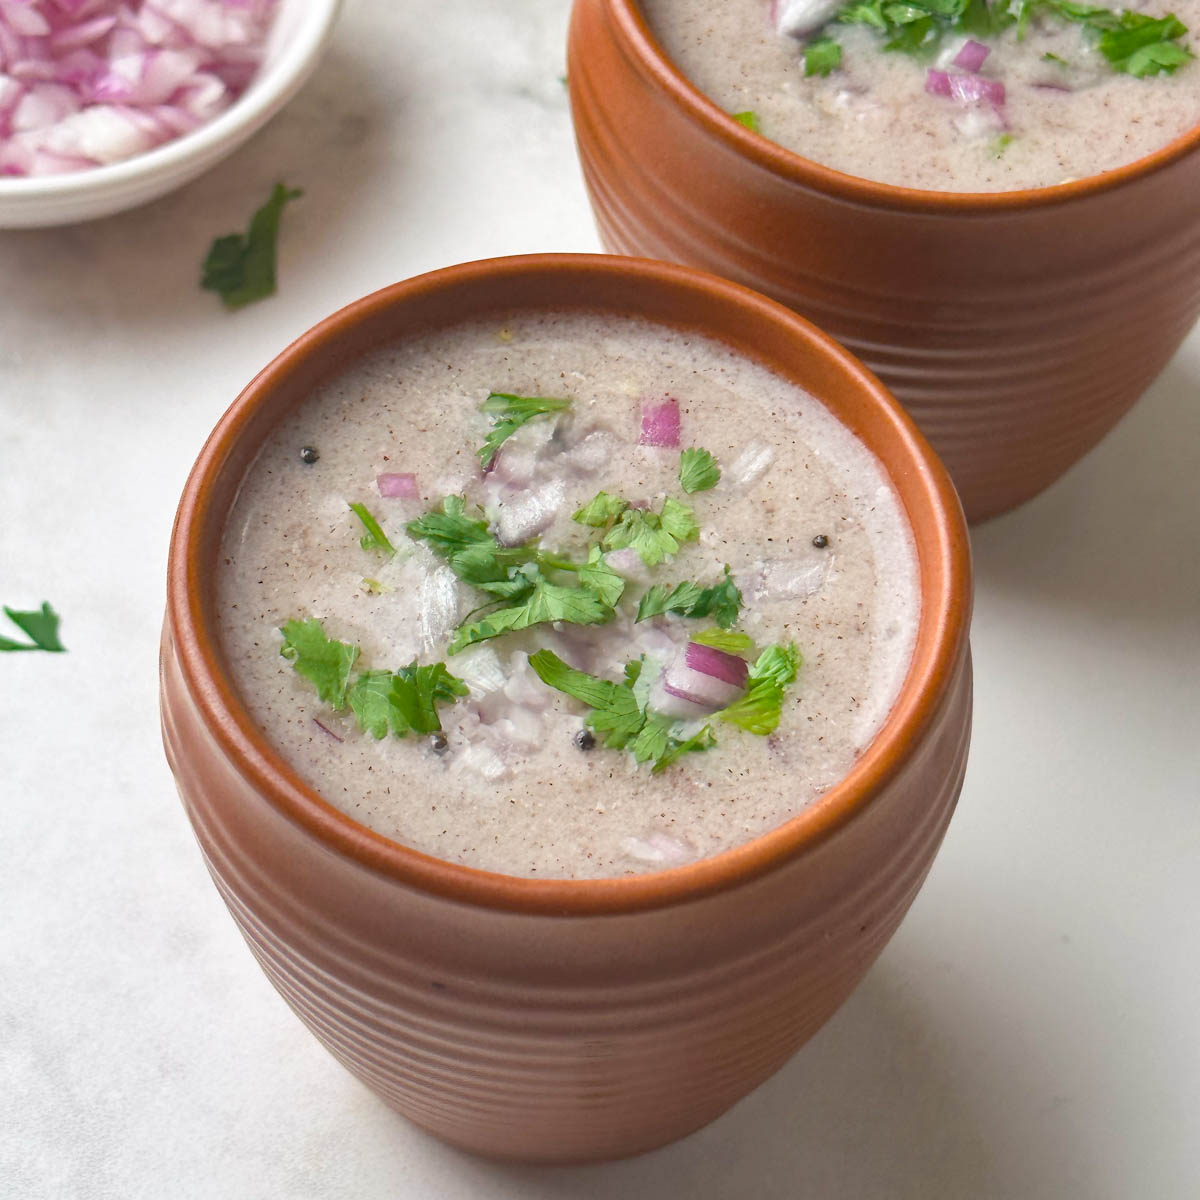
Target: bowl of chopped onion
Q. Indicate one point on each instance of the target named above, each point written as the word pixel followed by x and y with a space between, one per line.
pixel 106 104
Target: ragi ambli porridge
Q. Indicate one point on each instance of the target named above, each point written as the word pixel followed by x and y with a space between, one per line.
pixel 950 95
pixel 567 596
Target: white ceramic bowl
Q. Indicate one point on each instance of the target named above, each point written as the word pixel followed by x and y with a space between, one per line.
pixel 297 39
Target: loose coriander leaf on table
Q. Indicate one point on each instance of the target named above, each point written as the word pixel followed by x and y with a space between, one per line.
pixel 40 625
pixel 698 470
pixel 508 414
pixel 241 267
pixel 374 538
pixel 325 663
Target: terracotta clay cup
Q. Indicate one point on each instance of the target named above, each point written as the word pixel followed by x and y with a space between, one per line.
pixel 1015 327
pixel 546 1019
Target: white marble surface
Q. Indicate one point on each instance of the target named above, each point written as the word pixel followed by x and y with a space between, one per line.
pixel 1031 1032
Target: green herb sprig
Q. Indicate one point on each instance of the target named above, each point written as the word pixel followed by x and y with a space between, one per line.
pixel 403 701
pixel 39 625
pixel 240 267
pixel 508 414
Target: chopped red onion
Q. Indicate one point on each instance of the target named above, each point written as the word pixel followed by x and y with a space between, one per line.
pixel 88 82
pixel 708 660
pixel 965 89
pixel 660 423
pixel 972 56
pixel 702 680
pixel 397 485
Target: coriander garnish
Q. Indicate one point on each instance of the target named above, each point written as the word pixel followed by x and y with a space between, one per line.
pixel 698 470
pixel 374 538
pixel 403 701
pixel 749 120
pixel 508 414
pixel 722 601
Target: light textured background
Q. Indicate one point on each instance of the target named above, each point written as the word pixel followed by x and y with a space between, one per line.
pixel 1031 1032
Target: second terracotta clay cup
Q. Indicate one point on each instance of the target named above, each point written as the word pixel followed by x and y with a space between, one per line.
pixel 1015 327
pixel 559 1020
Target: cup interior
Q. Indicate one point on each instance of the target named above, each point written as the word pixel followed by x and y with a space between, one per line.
pixel 675 296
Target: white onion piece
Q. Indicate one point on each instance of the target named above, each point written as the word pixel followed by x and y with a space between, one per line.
pixel 483 761
pixel 523 687
pixel 793 578
pixel 595 452
pixel 521 728
pixel 706 691
pixel 626 561
pixel 479 667
pixel 526 514
pixel 439 608
pixel 798 18
pixel 752 464
pixel 659 847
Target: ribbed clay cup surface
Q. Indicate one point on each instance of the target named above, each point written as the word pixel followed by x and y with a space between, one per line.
pixel 559 1020
pixel 1015 327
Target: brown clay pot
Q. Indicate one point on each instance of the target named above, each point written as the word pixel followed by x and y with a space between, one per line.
pixel 1015 327
pixel 559 1020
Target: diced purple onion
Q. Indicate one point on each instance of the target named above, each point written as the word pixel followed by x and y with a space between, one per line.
pixel 660 423
pixel 88 82
pixel 705 676
pixel 398 485
pixel 708 660
pixel 965 89
pixel 972 56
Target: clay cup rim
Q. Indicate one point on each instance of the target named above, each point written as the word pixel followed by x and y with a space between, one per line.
pixel 657 66
pixel 668 294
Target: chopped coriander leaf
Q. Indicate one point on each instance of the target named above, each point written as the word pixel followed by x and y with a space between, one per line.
pixel 1054 58
pixel 546 602
pixel 323 662
pixel 508 414
pixel 749 119
pixel 654 535
pixel 618 713
pixel 374 538
pixel 40 625
pixel 698 470
pixel 821 56
pixel 1000 144
pixel 759 708
pixel 729 640
pixel 698 742
pixel 403 701
pixel 722 601
pixel 615 711
pixel 652 740
pixel 241 267
pixel 470 550
pixel 601 578
pixel 375 588
pixel 1144 46
pixel 600 509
